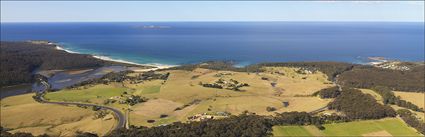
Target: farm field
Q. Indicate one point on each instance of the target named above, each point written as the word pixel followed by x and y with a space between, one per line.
pixel 142 112
pixel 181 96
pixel 294 82
pixel 383 127
pixel 416 98
pixel 290 131
pixel 182 90
pixel 96 94
pixel 146 88
pixel 22 114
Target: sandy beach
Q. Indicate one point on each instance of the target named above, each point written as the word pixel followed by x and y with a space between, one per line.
pixel 156 65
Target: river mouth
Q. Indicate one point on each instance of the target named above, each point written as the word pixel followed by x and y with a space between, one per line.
pixel 66 79
pixel 15 90
pixel 60 79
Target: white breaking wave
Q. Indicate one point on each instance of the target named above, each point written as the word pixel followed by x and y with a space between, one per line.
pixel 60 48
pixel 157 65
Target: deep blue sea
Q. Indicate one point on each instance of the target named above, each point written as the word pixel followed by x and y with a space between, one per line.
pixel 175 43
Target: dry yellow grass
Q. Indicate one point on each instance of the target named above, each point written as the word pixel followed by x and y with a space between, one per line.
pixel 304 103
pixel 237 105
pixel 35 130
pixel 23 114
pixel 182 87
pixel 258 104
pixel 296 84
pixel 160 106
pixel 416 98
pixel 88 124
pixel 145 87
pixel 151 110
pixel 373 94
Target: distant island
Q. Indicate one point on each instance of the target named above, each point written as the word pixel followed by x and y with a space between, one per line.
pixel 153 27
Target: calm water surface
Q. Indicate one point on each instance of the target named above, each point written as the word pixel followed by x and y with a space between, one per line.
pixel 176 43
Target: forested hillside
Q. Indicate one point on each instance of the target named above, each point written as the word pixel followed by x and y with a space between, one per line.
pixel 369 77
pixel 356 105
pixel 20 59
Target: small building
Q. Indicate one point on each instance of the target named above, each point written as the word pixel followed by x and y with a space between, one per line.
pixel 285 103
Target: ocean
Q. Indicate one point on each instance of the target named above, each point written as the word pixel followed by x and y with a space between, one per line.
pixel 175 43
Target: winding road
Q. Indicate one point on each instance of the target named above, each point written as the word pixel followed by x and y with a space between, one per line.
pixel 117 113
pixel 335 81
pixel 122 118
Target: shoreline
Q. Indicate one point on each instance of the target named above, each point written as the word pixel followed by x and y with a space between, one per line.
pixel 372 60
pixel 105 58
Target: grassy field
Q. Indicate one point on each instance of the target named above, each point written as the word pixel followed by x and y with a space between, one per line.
pixel 94 94
pixel 384 127
pixel 183 84
pixel 373 94
pixel 290 131
pixel 146 87
pixel 294 83
pixel 22 114
pixel 416 98
pixel 182 87
pixel 152 110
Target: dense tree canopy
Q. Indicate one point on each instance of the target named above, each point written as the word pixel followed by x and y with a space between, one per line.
pixel 356 105
pixel 369 77
pixel 20 59
pixel 331 92
pixel 235 126
pixel 411 120
pixel 388 97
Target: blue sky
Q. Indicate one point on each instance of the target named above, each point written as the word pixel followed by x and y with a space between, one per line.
pixel 110 11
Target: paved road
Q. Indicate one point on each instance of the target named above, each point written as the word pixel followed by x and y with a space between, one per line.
pixel 335 81
pixel 319 110
pixel 117 113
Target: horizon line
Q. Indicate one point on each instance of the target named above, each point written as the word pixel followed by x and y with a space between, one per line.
pixel 202 21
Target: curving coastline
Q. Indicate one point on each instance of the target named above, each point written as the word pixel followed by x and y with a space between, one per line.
pixel 156 65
